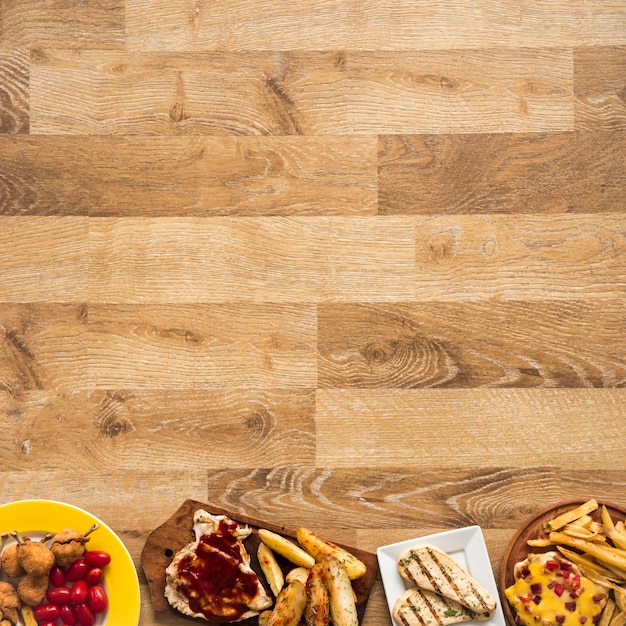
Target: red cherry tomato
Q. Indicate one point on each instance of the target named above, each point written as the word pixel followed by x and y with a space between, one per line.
pixel 97 599
pixel 47 612
pixel 76 570
pixel 85 615
pixel 97 558
pixel 57 576
pixel 79 592
pixel 68 615
pixel 59 595
pixel 94 576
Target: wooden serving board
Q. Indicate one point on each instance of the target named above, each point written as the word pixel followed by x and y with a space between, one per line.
pixel 175 533
pixel 518 549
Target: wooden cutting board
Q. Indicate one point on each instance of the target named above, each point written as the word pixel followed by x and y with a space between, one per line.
pixel 175 533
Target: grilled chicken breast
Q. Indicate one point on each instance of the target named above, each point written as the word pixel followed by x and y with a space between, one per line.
pixel 428 567
pixel 211 577
pixel 420 607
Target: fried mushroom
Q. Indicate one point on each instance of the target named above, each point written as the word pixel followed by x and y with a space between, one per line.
pixel 69 545
pixel 34 556
pixel 9 562
pixel 9 602
pixel 32 589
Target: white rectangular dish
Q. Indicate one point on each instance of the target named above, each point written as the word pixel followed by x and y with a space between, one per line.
pixel 465 545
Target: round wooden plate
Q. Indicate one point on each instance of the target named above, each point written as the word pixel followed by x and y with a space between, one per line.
pixel 518 550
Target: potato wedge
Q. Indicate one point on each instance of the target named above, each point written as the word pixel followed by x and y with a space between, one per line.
pixel 317 611
pixel 342 601
pixel 283 546
pixel 270 568
pixel 289 606
pixel 297 573
pixel 264 618
pixel 319 548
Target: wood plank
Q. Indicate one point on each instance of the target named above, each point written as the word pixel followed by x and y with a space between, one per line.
pixel 157 430
pixel 600 88
pixel 371 24
pixel 496 90
pixel 33 23
pixel 58 270
pixel 186 347
pixel 14 96
pixel 502 173
pixel 466 429
pixel 470 257
pixel 35 178
pixel 471 345
pixel 302 93
pixel 234 176
pixel 42 347
pixel 300 259
pixel 268 93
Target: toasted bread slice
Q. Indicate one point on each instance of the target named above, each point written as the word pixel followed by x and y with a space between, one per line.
pixel 428 567
pixel 419 607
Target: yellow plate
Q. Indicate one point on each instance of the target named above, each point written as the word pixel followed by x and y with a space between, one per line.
pixel 38 517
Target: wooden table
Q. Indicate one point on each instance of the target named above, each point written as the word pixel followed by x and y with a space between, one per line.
pixel 354 265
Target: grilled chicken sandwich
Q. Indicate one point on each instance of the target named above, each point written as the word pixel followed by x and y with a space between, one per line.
pixel 420 607
pixel 429 568
pixel 211 577
pixel 549 590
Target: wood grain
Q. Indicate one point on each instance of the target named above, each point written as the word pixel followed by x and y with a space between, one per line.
pixel 14 86
pixel 444 345
pixel 540 173
pixel 453 423
pixel 58 270
pixel 33 23
pixel 371 25
pixel 208 345
pixel 234 176
pixel 302 93
pixel 157 431
pixel 600 87
pixel 35 178
pixel 477 257
pixel 192 260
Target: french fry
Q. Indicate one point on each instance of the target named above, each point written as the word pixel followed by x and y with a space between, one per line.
pixel 342 601
pixel 317 611
pixel 607 613
pixel 289 606
pixel 570 516
pixel 28 616
pixel 270 568
pixel 604 554
pixel 589 567
pixel 297 573
pixel 319 548
pixel 281 545
pixel 618 619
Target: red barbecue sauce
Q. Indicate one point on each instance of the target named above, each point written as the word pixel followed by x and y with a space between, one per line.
pixel 212 580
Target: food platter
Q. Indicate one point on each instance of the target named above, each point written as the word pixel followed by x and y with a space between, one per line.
pixel 517 549
pixel 465 545
pixel 36 518
pixel 177 531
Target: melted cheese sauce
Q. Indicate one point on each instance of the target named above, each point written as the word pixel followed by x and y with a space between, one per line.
pixel 555 596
